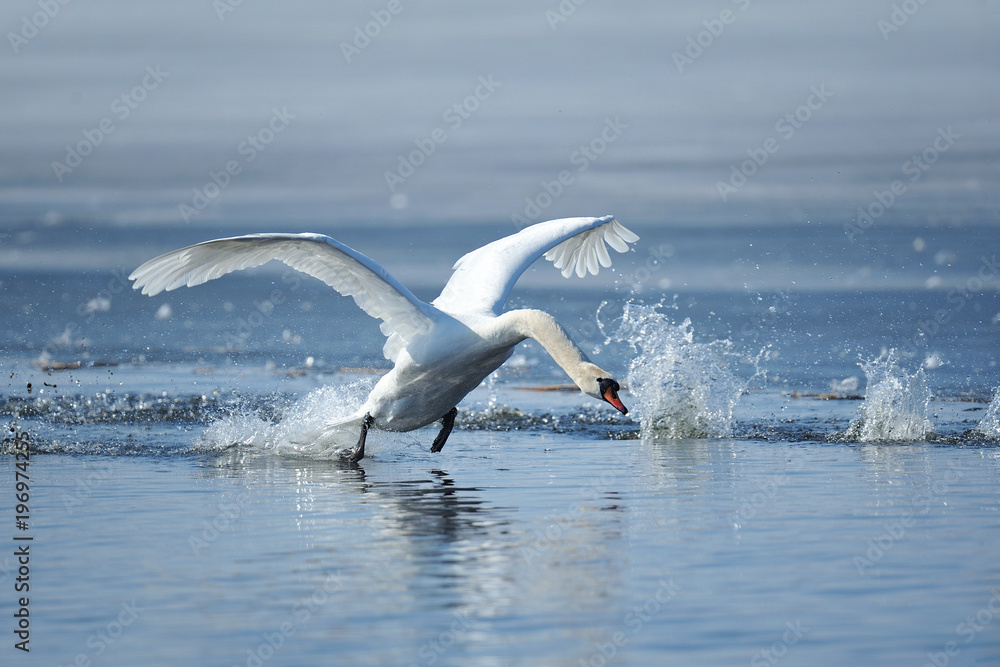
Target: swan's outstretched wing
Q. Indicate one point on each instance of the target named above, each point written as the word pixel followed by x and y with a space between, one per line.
pixel 342 268
pixel 484 277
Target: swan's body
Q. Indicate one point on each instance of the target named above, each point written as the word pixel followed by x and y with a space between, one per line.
pixel 441 350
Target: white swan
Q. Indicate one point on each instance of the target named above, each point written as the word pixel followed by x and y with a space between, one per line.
pixel 441 350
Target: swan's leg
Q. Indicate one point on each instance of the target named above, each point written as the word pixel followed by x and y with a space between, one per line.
pixel 447 423
pixel 359 450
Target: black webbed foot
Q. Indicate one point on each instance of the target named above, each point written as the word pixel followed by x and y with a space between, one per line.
pixel 447 423
pixel 359 449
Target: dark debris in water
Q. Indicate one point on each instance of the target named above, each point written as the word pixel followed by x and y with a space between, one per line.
pixel 503 418
pixel 827 396
pixel 809 430
pixel 126 408
pixel 112 408
pixel 118 446
pixel 79 424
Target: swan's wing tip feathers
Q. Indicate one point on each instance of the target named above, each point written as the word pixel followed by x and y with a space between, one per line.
pixel 587 251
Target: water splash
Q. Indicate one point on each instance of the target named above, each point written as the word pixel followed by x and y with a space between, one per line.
pixel 303 430
pixel 989 425
pixel 680 388
pixel 895 406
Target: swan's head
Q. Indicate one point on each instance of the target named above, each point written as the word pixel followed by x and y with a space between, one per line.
pixel 608 389
pixel 599 384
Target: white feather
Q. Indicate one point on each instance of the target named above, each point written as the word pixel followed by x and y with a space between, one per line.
pixel 342 268
pixel 484 277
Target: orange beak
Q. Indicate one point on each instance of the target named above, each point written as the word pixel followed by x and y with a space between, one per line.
pixel 611 396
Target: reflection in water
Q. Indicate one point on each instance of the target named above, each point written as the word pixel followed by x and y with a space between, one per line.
pixel 431 508
pixel 683 468
pixel 412 543
pixel 531 549
pixel 453 565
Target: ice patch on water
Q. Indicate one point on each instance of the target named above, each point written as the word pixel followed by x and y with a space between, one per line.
pixel 895 405
pixel 845 386
pixel 302 430
pixel 680 388
pixel 989 425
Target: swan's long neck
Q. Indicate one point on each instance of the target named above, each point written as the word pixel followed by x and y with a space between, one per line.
pixel 542 327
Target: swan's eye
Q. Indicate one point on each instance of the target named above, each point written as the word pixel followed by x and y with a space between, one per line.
pixel 607 384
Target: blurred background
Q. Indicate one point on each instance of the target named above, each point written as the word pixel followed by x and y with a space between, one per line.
pixel 815 186
pixel 762 149
pixel 116 115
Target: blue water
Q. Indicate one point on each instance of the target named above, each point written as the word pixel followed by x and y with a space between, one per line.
pixel 808 331
pixel 549 530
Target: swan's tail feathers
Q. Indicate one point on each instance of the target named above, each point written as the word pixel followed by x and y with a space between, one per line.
pixel 351 423
pixel 333 439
